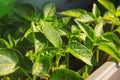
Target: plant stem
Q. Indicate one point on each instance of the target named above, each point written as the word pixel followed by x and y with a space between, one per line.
pixel 112 27
pixel 67 60
pixel 34 37
pixel 97 55
pixel 34 77
pixel 57 60
pixel 26 73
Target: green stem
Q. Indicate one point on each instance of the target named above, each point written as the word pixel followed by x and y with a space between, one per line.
pixel 26 73
pixel 58 57
pixel 112 26
pixel 67 60
pixel 97 55
pixel 34 38
pixel 34 77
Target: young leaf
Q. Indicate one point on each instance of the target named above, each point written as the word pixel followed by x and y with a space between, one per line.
pixel 81 52
pixel 108 5
pixel 118 11
pixel 96 11
pixel 87 30
pixel 75 30
pixel 63 21
pixel 49 51
pixel 73 12
pixel 9 60
pixel 49 9
pixel 88 17
pixel 65 74
pixel 42 67
pixel 99 29
pixel 52 35
pixel 12 41
pixel 111 17
pixel 4 43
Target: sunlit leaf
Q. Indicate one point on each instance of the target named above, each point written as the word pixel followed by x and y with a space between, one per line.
pixel 88 17
pixel 99 29
pixel 87 30
pixel 65 74
pixel 108 5
pixel 111 17
pixel 9 60
pixel 52 35
pixel 118 11
pixel 81 52
pixel 49 9
pixel 73 12
pixel 110 49
pixel 96 11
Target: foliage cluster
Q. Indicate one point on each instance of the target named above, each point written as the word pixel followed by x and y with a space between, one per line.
pixel 38 43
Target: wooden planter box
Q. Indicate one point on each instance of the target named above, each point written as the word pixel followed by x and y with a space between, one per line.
pixel 108 71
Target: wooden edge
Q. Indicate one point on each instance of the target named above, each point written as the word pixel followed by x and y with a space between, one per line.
pixel 105 71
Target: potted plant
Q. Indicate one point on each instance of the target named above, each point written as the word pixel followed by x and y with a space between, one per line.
pixel 38 44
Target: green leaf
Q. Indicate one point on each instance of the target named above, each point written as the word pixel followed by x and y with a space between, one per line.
pixel 49 9
pixel 110 49
pixel 110 36
pixel 118 11
pixel 9 60
pixel 63 32
pixel 52 35
pixel 117 29
pixel 12 41
pixel 63 21
pixel 7 2
pixel 81 52
pixel 89 44
pixel 99 29
pixel 42 67
pixel 75 30
pixel 26 13
pixel 88 17
pixel 4 43
pixel 73 12
pixel 6 7
pixel 27 33
pixel 111 17
pixel 87 30
pixel 38 39
pixel 108 5
pixel 65 74
pixel 49 51
pixel 96 11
